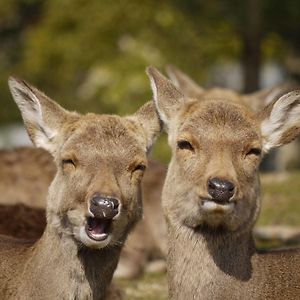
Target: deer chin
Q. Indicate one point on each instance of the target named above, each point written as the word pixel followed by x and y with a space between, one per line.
pixel 93 240
pixel 209 213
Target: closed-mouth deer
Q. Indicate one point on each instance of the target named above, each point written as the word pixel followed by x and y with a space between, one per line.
pixel 93 201
pixel 211 196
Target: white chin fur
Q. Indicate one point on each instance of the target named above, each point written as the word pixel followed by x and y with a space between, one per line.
pixel 88 242
pixel 211 206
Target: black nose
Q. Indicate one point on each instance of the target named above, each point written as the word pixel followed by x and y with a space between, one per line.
pixel 104 207
pixel 220 190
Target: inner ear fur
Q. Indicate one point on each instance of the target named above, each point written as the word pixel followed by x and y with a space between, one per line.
pixel 43 117
pixel 280 121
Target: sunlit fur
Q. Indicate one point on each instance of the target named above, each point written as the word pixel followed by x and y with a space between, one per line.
pixel 104 151
pixel 221 134
pixel 99 171
pixel 211 252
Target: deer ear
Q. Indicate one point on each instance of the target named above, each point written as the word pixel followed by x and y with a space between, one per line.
pixel 184 83
pixel 258 100
pixel 281 121
pixel 148 122
pixel 42 117
pixel 166 96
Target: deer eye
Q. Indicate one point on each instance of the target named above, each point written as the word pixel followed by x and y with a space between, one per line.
pixel 185 145
pixel 254 151
pixel 68 162
pixel 139 167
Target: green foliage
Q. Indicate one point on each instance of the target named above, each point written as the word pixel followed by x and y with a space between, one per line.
pixel 91 55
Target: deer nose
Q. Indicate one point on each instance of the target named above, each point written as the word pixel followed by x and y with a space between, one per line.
pixel 104 207
pixel 220 190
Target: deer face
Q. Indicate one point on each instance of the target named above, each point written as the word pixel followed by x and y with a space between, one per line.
pixel 96 192
pixel 95 196
pixel 216 150
pixel 217 144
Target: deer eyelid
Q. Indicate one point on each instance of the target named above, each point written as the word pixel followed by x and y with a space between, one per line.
pixel 68 162
pixel 140 167
pixel 254 151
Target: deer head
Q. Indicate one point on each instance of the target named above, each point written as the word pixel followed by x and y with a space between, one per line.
pixel 217 145
pixel 95 195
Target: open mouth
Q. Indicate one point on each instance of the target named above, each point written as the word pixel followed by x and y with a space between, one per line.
pixel 210 205
pixel 98 229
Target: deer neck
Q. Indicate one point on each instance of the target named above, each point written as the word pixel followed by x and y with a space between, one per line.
pixel 202 262
pixel 66 270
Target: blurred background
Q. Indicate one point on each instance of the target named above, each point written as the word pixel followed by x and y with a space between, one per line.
pixel 91 55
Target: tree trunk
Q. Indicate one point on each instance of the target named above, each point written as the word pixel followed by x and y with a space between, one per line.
pixel 251 37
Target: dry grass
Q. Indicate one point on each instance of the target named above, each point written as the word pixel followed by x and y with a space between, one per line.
pixel 281 199
pixel 149 287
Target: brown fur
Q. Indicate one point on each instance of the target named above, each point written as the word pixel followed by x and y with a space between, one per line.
pixel 148 239
pixel 94 155
pixel 33 170
pixel 27 174
pixel 211 252
pixel 21 221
